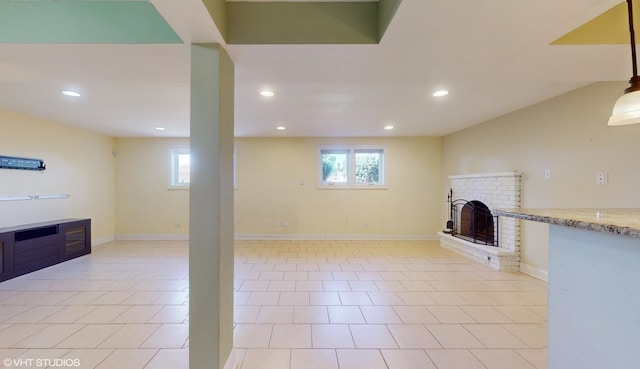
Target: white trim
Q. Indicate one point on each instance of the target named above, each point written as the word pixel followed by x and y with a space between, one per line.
pixel 283 237
pixel 152 237
pixel 101 240
pixel 483 175
pixel 334 237
pixel 534 272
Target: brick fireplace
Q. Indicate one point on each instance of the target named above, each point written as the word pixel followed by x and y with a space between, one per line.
pixel 496 191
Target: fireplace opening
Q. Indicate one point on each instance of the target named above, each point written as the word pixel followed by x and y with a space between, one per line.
pixel 474 222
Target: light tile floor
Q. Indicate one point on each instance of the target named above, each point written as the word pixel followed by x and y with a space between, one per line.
pixel 298 305
pixel 124 306
pixel 383 304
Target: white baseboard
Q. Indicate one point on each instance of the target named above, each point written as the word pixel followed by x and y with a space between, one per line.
pixel 332 237
pixel 534 272
pixel 152 237
pixel 100 241
pixel 279 237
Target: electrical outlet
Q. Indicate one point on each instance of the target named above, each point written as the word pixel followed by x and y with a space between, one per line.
pixel 284 224
pixel 547 174
pixel 601 178
pixel 365 225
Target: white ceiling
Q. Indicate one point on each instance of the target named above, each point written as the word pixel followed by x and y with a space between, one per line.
pixel 493 56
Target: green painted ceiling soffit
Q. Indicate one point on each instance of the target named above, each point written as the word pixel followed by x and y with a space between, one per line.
pixel 302 23
pixel 386 11
pixel 68 21
pixel 254 23
pixel 218 12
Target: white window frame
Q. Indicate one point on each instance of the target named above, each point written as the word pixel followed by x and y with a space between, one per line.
pixel 351 167
pixel 174 153
pixel 173 167
pixel 323 149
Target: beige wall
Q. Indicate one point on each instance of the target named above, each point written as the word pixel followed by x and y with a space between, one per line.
pixel 269 173
pixel 567 134
pixel 79 163
pixel 145 206
pixel 269 190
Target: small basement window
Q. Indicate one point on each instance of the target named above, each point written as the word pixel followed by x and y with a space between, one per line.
pixel 350 167
pixel 180 168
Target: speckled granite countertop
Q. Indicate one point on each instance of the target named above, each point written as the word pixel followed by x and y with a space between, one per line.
pixel 624 222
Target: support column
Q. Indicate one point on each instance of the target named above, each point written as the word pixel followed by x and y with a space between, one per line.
pixel 211 208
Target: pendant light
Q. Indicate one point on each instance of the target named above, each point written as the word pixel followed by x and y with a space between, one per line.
pixel 627 108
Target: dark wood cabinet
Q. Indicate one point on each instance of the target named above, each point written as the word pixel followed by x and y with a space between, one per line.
pixel 77 239
pixel 6 254
pixel 30 247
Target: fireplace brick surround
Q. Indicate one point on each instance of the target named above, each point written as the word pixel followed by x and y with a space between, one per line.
pixel 497 191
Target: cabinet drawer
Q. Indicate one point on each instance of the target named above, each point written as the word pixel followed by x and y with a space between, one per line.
pixel 34 255
pixel 33 265
pixel 36 243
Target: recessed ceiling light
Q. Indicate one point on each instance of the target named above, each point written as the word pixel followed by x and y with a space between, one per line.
pixel 267 93
pixel 389 127
pixel 281 128
pixel 70 93
pixel 160 129
pixel 441 93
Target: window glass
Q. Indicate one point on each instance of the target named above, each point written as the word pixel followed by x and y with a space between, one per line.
pixel 184 169
pixel 368 166
pixel 180 169
pixel 335 166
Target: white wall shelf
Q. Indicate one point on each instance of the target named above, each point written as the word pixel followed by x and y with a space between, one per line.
pixel 34 197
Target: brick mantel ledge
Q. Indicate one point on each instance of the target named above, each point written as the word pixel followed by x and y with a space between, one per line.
pixel 483 175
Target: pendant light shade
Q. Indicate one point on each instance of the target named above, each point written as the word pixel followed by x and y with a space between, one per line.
pixel 627 108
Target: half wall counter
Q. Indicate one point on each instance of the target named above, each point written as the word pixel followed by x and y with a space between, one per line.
pixel 594 286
